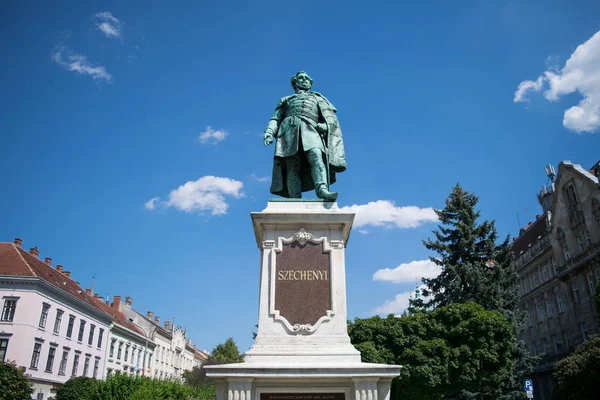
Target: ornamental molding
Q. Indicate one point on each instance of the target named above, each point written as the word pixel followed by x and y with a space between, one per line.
pixel 302 237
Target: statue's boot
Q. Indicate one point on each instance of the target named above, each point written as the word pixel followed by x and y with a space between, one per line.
pixel 293 182
pixel 325 194
pixel 319 175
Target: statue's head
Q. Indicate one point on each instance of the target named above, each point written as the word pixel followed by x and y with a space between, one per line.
pixel 301 81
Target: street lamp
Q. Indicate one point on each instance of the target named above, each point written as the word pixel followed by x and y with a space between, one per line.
pixel 145 346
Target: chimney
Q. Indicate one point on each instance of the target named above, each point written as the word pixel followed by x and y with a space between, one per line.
pixel 88 291
pixel 167 325
pixel 59 268
pixel 157 320
pixel 34 252
pixel 67 273
pixel 128 301
pixel 149 315
pixel 95 295
pixel 77 283
pixel 18 242
pixel 116 302
pixel 537 216
pixel 48 261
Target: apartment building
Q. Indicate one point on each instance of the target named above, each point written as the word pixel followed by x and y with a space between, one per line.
pixel 558 262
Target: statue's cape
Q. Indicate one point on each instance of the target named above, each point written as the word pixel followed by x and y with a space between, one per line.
pixel 336 155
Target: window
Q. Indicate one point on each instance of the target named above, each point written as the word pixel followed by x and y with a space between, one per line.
pixel 100 334
pixel 50 361
pixel 112 348
pixel 572 196
pixel 588 241
pixel 549 307
pixel 39 396
pixel 86 365
pixel 540 315
pixel 584 330
pixel 591 283
pixel 35 357
pixel 533 349
pixel 576 296
pixel 75 365
pixel 546 346
pixel 44 316
pixel 557 344
pixel 553 264
pixel 96 364
pixel 70 327
pixel 8 311
pixel 566 252
pixel 567 339
pixel 91 337
pixel 63 362
pixel 119 351
pixel 535 277
pixel 3 347
pixel 544 268
pixel 81 329
pixel 59 314
pixel 580 243
pixel 126 352
pixel 526 284
pixel 559 303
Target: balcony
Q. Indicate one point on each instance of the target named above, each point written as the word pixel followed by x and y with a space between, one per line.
pixel 581 259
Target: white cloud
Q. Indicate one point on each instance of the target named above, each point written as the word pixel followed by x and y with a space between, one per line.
pixel 408 272
pixel 526 86
pixel 363 231
pixel 206 194
pixel 211 136
pixel 260 178
pixel 398 305
pixel 72 61
pixel 385 213
pixel 151 204
pixel 109 24
pixel 581 73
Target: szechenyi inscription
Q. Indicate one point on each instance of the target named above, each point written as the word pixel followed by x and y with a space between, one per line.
pixel 302 282
pixel 302 275
pixel 302 396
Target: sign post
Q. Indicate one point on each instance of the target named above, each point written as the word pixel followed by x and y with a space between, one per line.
pixel 529 388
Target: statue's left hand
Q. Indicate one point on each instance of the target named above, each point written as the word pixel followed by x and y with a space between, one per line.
pixel 322 128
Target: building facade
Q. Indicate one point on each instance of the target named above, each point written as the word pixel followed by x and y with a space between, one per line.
pixel 558 263
pixel 174 352
pixel 48 324
pixel 57 330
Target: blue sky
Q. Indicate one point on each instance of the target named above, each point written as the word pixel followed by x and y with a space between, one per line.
pixel 105 105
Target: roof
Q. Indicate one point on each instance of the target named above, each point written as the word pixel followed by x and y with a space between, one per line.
pixel 530 234
pixel 579 169
pixel 15 261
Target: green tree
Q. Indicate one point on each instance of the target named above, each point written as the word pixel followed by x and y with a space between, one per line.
pixel 227 352
pixel 447 352
pixel 13 382
pixel 80 388
pixel 475 268
pixel 577 376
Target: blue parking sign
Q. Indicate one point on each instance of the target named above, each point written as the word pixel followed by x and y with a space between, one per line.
pixel 528 385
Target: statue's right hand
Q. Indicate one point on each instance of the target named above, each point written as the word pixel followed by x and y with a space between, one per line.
pixel 268 139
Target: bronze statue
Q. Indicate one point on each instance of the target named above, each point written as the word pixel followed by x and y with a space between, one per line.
pixel 309 150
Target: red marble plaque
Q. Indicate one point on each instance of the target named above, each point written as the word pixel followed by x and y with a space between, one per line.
pixel 302 396
pixel 302 283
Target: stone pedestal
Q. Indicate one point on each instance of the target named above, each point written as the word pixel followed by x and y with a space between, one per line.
pixel 302 350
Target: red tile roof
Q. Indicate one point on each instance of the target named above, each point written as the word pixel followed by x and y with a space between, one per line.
pixel 16 261
pixel 529 235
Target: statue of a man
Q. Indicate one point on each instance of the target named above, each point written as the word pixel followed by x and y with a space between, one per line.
pixel 309 150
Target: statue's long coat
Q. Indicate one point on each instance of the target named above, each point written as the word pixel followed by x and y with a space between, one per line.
pixel 333 139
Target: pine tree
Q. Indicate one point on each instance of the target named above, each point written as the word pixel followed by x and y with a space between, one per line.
pixel 465 251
